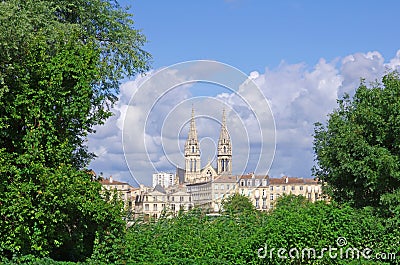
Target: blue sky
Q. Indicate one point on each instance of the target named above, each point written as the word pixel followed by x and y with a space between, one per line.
pixel 302 55
pixel 252 35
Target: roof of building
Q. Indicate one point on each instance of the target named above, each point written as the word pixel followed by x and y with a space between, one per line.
pixel 159 188
pixel 291 180
pixel 110 181
pixel 224 179
pixel 279 181
pixel 247 176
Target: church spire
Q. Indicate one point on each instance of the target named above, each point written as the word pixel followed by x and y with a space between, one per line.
pixel 224 131
pixel 224 161
pixel 192 130
pixel 192 153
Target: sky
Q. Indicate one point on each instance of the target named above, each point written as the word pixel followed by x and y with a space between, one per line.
pixel 276 67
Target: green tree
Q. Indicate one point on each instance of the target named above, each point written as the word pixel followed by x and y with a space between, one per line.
pixel 60 66
pixel 358 150
pixel 237 204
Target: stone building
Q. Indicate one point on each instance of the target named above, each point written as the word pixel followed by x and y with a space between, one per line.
pixel 193 173
pixel 158 201
pixel 164 179
pixel 207 186
pixel 125 191
pixel 263 191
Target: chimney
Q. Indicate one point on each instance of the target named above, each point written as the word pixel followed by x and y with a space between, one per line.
pixel 111 179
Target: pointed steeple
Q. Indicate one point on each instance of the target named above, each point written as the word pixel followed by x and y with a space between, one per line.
pixel 192 153
pixel 224 160
pixel 224 131
pixel 192 136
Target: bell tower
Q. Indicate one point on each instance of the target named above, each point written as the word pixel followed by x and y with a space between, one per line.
pixel 224 158
pixel 192 153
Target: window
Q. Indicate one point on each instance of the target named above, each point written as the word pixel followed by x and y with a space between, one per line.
pixel 146 207
pixel 242 183
pixel 155 207
pixel 271 188
pixel 163 206
pixel 271 205
pixel 257 203
pixel 271 197
pixel 257 182
pixel 181 198
pixel 264 206
pixel 293 187
pixel 216 186
pixel 222 186
pixel 264 182
pixel 277 187
pixel 146 198
pixel 301 187
pixel 216 195
pixel 154 198
pixel 309 196
pixel 249 182
pixel 173 198
pixel 283 188
pixel 173 207
pixel 227 186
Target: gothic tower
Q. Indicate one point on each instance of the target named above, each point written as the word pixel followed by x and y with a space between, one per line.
pixel 192 153
pixel 224 158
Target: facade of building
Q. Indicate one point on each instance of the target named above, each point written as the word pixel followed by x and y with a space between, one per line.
pixel 207 186
pixel 193 172
pixel 125 191
pixel 156 202
pixel 163 179
pixel 221 188
pixel 263 191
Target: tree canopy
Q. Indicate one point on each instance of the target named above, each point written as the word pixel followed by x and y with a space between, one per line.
pixel 237 204
pixel 60 67
pixel 358 150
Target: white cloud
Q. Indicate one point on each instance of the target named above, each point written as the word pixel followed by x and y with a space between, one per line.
pixel 156 121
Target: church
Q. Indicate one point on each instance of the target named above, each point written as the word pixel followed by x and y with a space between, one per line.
pixel 206 187
pixel 193 172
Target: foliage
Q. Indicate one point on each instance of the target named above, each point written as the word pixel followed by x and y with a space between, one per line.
pixel 358 151
pixel 60 63
pixel 193 238
pixel 295 223
pixel 237 204
pixel 60 66
pixel 55 212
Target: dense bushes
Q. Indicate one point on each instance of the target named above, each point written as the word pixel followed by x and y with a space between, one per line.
pixel 286 235
pixel 295 224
